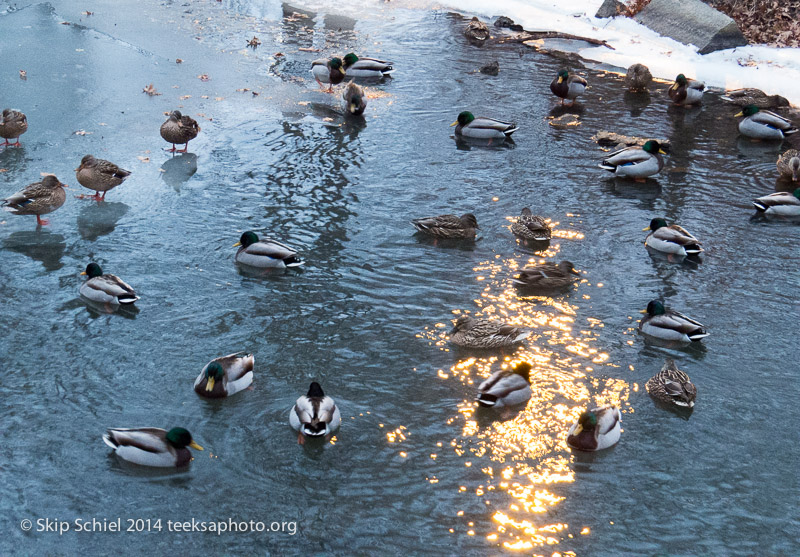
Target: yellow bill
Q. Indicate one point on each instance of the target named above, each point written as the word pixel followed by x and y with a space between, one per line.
pixel 195 446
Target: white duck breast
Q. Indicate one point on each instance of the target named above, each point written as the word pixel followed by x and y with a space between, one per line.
pixel 781 203
pixel 633 162
pixel 369 68
pixel 108 289
pixel 766 125
pixel 268 254
pixel 673 239
pixel 504 388
pixel 315 417
pixel 238 376
pixel 487 128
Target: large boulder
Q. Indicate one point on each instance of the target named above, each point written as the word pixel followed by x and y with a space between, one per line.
pixel 692 22
pixel 610 8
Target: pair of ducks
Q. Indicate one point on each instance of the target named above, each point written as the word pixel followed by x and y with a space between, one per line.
pixel 333 71
pixel 313 415
pixel 452 227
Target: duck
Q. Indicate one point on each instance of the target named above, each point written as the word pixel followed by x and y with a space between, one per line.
pixel 531 227
pixel 671 239
pixel 596 429
pixel 179 129
pixel 669 324
pixel 328 71
pixel 743 97
pixel 469 332
pixel 506 387
pixel 266 253
pixel 672 386
pixel 567 86
pixel 476 31
pixel 467 125
pixel 366 67
pixel 106 288
pixel 636 162
pixel 225 376
pixel 637 78
pixel 314 414
pixel 12 125
pixel 789 165
pixel 355 102
pixel 781 203
pixel 38 198
pixel 99 175
pixel 152 446
pixel 763 124
pixel 546 276
pixel 448 226
pixel 686 92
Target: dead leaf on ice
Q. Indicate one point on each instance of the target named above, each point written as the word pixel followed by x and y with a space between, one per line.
pixel 83 132
pixel 151 90
pixel 143 159
pixel 23 75
pixel 203 77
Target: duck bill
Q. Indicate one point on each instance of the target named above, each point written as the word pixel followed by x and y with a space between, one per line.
pixel 83 273
pixel 210 384
pixel 738 114
pixel 454 124
pixel 578 429
pixel 643 311
pixel 560 79
pixel 237 244
pixel 643 229
pixel 195 446
pixel 662 151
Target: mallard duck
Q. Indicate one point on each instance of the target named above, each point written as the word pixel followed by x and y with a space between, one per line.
pixel 789 165
pixel 531 227
pixel 266 253
pixel 225 376
pixel 37 199
pixel 476 31
pixel 448 226
pixel 481 127
pixel 743 97
pixel 469 332
pixel 780 203
pixel 366 67
pixel 671 239
pixel 179 129
pixel 106 288
pixel 672 386
pixel 637 78
pixel 596 429
pixel 686 91
pixel 152 446
pixel 669 324
pixel 12 125
pixel 763 124
pixel 636 162
pixel 328 71
pixel 354 100
pixel 506 387
pixel 99 175
pixel 314 414
pixel 568 86
pixel 546 276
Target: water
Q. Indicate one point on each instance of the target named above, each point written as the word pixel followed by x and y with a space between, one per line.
pixel 414 465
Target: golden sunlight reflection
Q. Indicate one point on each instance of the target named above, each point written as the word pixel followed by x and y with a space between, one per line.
pixel 521 454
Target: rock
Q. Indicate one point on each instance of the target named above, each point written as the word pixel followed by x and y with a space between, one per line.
pixel 638 78
pixel 492 68
pixel 611 139
pixel 476 32
pixel 565 120
pixel 508 23
pixel 743 97
pixel 610 8
pixel 692 22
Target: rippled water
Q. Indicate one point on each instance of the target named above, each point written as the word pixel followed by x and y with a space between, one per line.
pixel 415 464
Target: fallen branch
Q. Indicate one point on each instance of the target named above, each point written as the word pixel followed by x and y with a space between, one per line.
pixel 535 35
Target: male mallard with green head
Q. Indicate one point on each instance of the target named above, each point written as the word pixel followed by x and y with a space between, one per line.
pixel 328 71
pixel 266 253
pixel 568 86
pixel 314 414
pixel 781 203
pixel 225 376
pixel 12 125
pixel 635 162
pixel 671 239
pixel 763 124
pixel 467 125
pixel 106 288
pixel 469 332
pixel 685 92
pixel 99 175
pixel 672 386
pixel 367 68
pixel 37 199
pixel 596 429
pixel 668 324
pixel 179 129
pixel 152 446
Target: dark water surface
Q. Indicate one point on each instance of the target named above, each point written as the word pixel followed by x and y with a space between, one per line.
pixel 415 465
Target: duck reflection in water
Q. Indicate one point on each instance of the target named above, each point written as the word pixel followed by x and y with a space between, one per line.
pixel 40 244
pixel 468 143
pixel 179 169
pixel 99 309
pixel 99 219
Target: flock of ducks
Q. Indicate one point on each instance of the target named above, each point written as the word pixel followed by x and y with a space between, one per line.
pixel 315 414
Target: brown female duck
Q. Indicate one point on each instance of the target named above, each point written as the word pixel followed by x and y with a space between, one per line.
pixel 99 175
pixel 12 125
pixel 37 199
pixel 179 129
